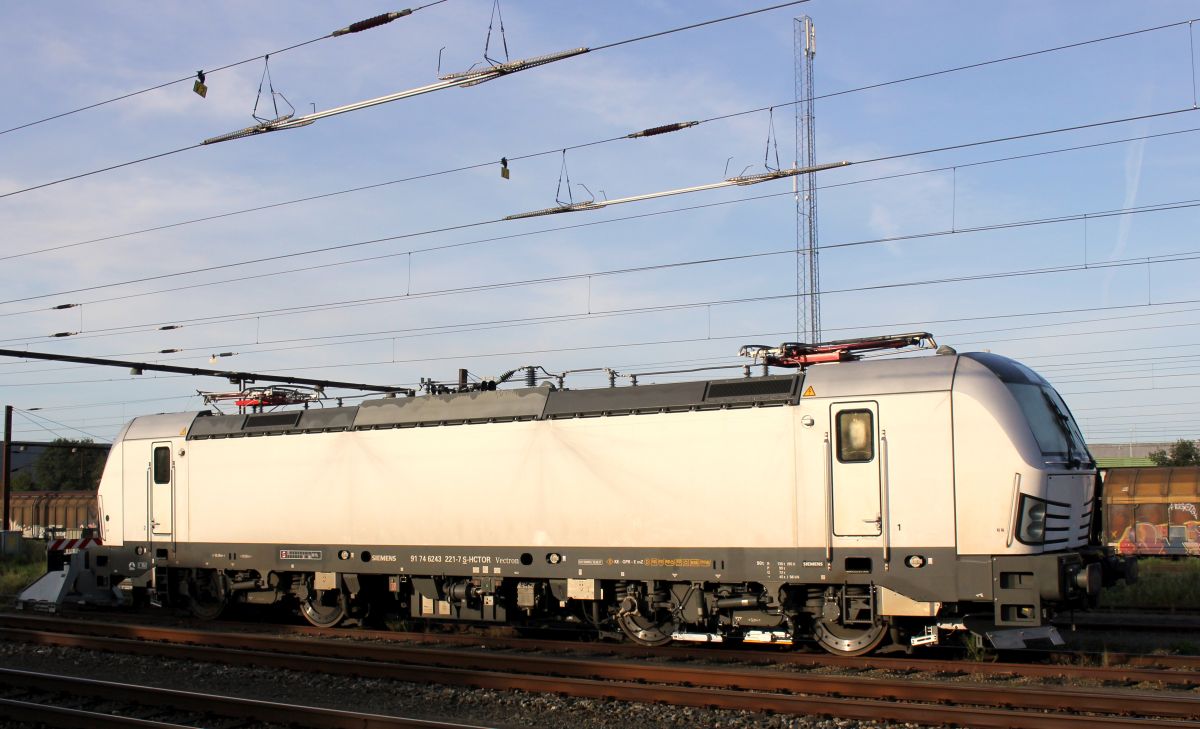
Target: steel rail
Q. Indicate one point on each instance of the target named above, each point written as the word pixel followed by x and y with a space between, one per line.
pixel 849 697
pixel 1110 666
pixel 191 702
pixel 67 718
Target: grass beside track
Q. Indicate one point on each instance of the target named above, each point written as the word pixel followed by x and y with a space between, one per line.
pixel 18 571
pixel 1163 584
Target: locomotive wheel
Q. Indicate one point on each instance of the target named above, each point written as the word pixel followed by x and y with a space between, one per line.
pixel 842 640
pixel 646 631
pixel 324 608
pixel 207 596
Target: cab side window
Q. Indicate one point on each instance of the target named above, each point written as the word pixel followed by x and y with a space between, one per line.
pixel 162 464
pixel 855 436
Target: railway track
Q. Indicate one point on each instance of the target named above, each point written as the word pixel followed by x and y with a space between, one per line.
pixel 748 689
pixel 68 701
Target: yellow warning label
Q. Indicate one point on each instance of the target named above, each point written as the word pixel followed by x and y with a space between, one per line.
pixel 809 392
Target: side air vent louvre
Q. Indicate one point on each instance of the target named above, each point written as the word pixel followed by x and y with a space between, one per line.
pixel 273 420
pixel 761 388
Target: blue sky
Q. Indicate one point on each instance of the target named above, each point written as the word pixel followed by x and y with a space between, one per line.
pixel 1129 373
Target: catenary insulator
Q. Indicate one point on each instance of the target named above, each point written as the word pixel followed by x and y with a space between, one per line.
pixel 664 129
pixel 369 23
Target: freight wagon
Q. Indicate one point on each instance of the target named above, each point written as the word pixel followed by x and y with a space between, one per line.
pixel 1153 511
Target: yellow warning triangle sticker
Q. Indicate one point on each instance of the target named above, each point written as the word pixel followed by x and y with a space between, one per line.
pixel 809 392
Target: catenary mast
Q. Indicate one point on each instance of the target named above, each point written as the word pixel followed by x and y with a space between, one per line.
pixel 808 284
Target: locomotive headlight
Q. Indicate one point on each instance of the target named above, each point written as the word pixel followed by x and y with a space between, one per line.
pixel 1031 528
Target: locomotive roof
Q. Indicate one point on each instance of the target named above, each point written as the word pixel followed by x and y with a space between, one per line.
pixel 862 378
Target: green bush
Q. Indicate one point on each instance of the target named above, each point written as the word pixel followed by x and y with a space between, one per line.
pixel 1163 584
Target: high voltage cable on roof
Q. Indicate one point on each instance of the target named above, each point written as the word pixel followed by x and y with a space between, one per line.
pixel 644 133
pixel 1107 406
pixel 200 76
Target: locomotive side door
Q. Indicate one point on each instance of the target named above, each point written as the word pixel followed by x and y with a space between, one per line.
pixel 161 476
pixel 854 467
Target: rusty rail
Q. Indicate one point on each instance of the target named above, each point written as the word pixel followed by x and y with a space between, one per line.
pixel 753 690
pixel 190 702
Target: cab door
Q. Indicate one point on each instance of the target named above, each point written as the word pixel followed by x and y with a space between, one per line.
pixel 161 476
pixel 855 469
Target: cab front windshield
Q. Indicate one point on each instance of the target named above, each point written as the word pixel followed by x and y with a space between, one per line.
pixel 1056 431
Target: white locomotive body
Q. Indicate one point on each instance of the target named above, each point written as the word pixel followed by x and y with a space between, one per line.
pixel 850 502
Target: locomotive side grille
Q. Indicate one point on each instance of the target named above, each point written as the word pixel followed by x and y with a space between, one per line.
pixel 273 420
pixel 761 388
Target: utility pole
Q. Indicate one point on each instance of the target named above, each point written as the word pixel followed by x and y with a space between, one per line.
pixel 6 465
pixel 808 281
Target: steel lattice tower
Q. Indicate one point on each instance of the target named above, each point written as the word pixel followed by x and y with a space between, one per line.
pixel 808 282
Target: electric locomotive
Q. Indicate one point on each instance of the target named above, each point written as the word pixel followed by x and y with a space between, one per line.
pixel 846 501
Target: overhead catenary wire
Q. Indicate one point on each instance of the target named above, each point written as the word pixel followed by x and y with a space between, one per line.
pixel 622 367
pixel 777 297
pixel 30 417
pixel 464 226
pixel 359 26
pixel 1092 215
pixel 476 354
pixel 634 135
pixel 464 79
pixel 307 342
pixel 459 290
pixel 352 261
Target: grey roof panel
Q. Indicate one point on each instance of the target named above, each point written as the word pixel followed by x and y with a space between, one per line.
pixel 324 419
pixel 625 399
pixel 526 403
pixel 168 425
pixel 881 376
pixel 216 426
pixel 317 420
